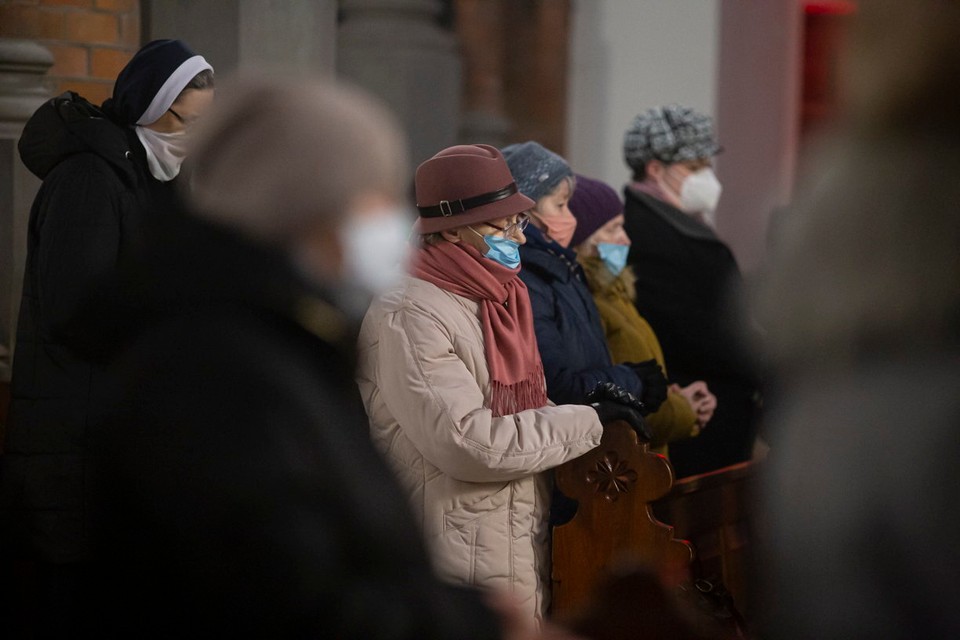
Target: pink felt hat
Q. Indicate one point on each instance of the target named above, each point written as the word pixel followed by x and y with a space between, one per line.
pixel 464 185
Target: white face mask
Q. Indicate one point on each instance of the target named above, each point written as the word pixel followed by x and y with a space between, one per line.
pixel 700 193
pixel 375 249
pixel 165 152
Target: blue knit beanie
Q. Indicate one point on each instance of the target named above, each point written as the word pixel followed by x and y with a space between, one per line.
pixel 537 170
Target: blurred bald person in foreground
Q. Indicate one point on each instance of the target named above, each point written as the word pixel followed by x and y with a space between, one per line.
pixel 243 494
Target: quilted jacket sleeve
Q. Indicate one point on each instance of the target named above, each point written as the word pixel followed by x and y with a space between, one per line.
pixel 440 407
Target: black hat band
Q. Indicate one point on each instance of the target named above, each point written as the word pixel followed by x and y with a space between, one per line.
pixel 448 208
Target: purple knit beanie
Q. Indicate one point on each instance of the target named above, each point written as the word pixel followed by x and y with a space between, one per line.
pixel 594 204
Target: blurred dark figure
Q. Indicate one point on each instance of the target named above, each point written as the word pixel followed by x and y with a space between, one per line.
pixel 862 304
pixel 103 169
pixel 241 493
pixel 688 279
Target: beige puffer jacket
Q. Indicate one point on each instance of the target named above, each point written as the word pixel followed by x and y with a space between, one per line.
pixel 474 480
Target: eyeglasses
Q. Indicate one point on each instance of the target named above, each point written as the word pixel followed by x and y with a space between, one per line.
pixel 522 221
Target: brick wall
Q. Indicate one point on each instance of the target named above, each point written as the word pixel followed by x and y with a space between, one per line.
pixel 90 40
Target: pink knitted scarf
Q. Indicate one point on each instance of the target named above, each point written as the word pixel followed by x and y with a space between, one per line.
pixel 506 318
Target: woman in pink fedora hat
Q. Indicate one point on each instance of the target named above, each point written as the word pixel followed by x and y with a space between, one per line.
pixel 453 383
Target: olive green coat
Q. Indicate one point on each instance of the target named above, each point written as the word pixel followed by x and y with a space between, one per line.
pixel 631 339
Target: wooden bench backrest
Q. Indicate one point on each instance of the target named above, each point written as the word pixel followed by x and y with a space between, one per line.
pixel 716 512
pixel 614 524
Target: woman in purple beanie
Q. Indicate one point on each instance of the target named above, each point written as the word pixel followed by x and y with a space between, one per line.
pixel 602 245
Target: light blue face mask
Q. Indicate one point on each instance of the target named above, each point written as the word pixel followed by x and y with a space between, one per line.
pixel 614 256
pixel 502 250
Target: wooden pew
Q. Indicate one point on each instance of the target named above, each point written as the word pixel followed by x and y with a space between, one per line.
pixel 627 496
pixel 716 512
pixel 614 525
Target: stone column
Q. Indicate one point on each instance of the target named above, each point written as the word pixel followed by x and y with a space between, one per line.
pixel 481 29
pixel 275 35
pixel 23 88
pixel 758 120
pixel 397 50
pixel 628 56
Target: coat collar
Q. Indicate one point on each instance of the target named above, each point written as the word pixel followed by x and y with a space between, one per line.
pixel 547 258
pixel 685 224
pixel 603 282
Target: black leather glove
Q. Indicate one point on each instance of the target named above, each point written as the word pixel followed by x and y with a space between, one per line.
pixel 654 384
pixel 613 403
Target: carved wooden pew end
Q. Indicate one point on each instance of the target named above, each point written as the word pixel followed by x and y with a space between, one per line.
pixel 614 530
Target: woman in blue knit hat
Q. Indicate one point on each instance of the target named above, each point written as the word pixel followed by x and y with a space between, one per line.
pixel 569 333
pixel 104 169
pixel 602 246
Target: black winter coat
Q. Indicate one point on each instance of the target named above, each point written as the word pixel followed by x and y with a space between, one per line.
pixel 88 213
pixel 568 326
pixel 687 287
pixel 237 491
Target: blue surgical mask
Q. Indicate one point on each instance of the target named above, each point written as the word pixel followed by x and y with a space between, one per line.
pixel 614 256
pixel 501 250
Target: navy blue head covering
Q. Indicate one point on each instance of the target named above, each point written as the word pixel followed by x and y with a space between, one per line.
pixel 160 69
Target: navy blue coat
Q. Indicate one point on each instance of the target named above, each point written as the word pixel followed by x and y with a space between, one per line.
pixel 569 332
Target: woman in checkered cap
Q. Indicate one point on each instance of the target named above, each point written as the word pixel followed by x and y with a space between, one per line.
pixel 686 277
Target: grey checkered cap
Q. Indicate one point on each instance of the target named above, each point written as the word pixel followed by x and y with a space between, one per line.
pixel 673 133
